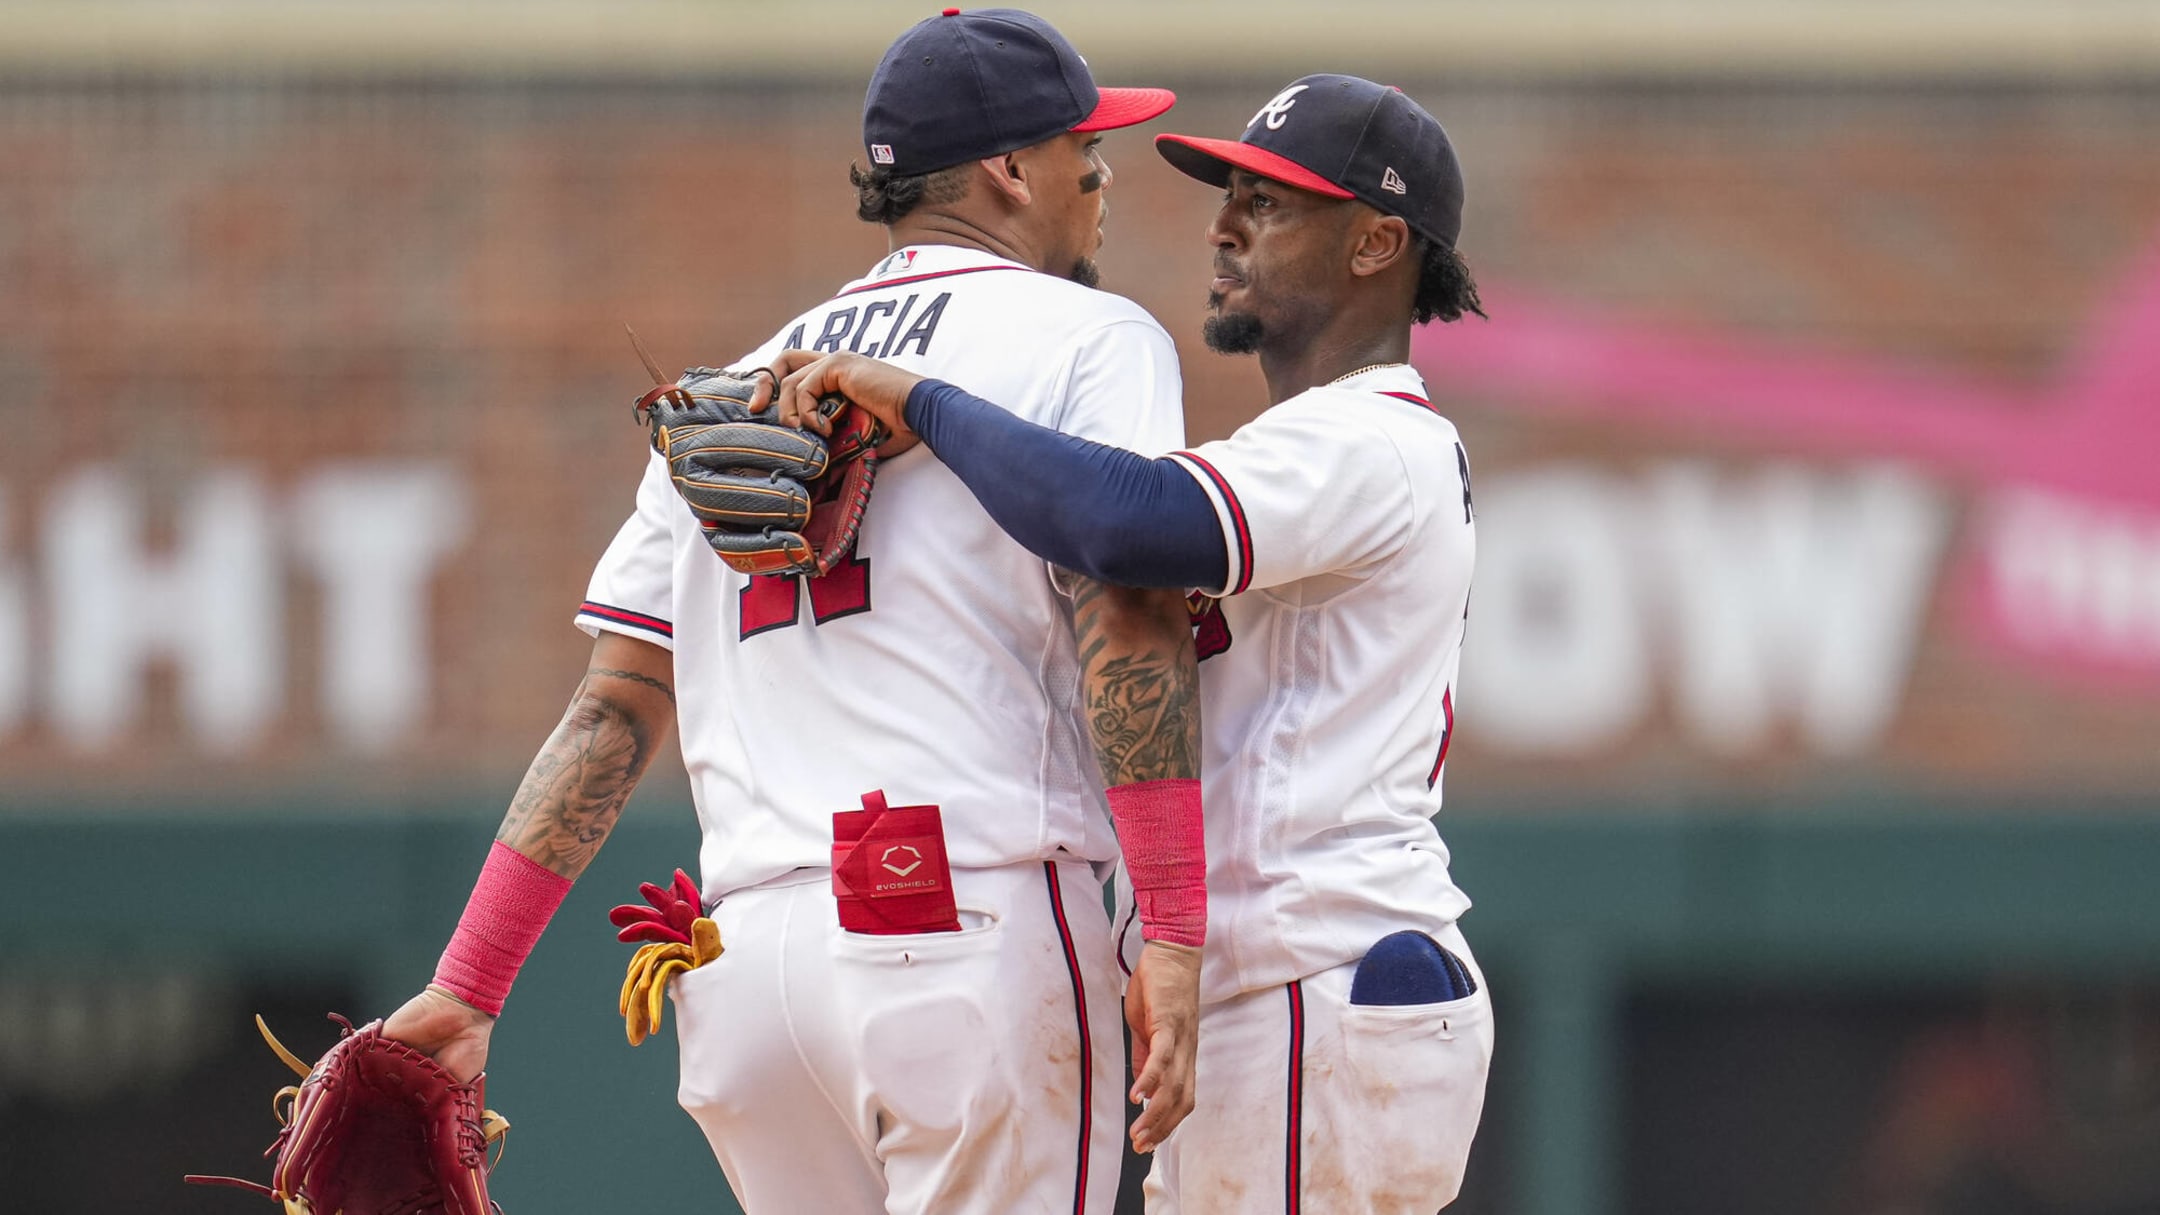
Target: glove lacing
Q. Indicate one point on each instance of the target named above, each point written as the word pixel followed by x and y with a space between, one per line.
pixel 478 1128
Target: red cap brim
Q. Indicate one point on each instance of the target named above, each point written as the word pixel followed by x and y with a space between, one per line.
pixel 1126 108
pixel 1210 160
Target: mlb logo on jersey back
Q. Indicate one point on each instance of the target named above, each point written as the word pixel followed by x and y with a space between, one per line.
pixel 881 153
pixel 898 262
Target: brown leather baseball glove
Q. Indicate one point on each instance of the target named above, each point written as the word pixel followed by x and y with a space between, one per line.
pixel 377 1128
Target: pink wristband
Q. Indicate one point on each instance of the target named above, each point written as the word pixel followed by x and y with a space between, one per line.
pixel 511 904
pixel 1165 846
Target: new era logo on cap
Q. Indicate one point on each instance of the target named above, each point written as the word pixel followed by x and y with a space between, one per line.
pixel 1351 139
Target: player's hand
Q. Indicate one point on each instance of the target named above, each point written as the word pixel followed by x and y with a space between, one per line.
pixel 445 1028
pixel 805 377
pixel 1162 1005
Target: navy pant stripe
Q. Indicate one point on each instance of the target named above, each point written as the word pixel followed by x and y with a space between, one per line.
pixel 1087 1053
pixel 1296 1102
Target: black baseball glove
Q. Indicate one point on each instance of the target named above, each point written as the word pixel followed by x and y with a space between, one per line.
pixel 772 499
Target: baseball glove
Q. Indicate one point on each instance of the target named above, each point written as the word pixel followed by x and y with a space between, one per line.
pixel 377 1128
pixel 772 499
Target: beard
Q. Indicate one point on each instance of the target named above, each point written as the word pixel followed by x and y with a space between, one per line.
pixel 1231 332
pixel 1086 273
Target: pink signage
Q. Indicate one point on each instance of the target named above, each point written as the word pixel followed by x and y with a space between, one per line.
pixel 2060 569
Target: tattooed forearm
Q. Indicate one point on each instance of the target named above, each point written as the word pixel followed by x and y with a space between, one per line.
pixel 1140 680
pixel 634 677
pixel 576 787
pixel 1142 721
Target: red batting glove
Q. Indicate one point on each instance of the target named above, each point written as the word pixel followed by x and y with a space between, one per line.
pixel 668 918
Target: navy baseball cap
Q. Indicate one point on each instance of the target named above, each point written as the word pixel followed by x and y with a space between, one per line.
pixel 962 86
pixel 1342 137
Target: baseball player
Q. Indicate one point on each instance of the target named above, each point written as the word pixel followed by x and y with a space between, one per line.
pixel 1346 1028
pixel 955 1050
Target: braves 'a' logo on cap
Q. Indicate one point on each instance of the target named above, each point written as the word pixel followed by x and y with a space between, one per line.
pixel 1277 112
pixel 1392 182
pixel 881 153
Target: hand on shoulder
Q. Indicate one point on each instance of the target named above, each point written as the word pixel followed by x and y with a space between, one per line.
pixel 805 377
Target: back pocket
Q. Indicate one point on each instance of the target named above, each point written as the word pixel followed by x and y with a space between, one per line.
pixel 1409 967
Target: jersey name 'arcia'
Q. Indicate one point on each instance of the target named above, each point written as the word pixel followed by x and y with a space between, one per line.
pixel 853 325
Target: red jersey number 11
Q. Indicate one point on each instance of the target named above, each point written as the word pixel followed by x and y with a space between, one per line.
pixel 774 601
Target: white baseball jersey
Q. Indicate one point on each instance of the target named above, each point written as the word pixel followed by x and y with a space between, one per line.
pixel 1327 678
pixel 936 664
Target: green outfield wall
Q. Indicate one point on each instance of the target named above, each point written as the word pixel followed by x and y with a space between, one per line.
pixel 1579 920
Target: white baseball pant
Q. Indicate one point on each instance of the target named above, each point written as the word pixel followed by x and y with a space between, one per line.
pixel 1311 1105
pixel 976 1072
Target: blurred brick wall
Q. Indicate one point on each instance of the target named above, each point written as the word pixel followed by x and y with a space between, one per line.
pixel 274 273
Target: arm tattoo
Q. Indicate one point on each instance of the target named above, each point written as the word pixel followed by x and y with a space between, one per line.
pixel 1141 681
pixel 634 677
pixel 576 787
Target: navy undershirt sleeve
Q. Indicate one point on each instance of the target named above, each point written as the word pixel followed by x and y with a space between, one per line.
pixel 1111 514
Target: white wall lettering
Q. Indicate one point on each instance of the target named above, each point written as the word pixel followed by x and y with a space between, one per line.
pixel 1779 595
pixel 374 535
pixel 1555 657
pixel 212 606
pixel 2065 574
pixel 1766 603
pixel 1792 593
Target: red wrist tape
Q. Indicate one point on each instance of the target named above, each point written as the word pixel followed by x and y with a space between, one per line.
pixel 1165 845
pixel 511 905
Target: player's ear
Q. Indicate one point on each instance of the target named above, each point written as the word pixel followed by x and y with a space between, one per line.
pixel 1378 241
pixel 1009 177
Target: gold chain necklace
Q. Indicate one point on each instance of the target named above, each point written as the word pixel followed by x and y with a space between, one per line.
pixel 1361 371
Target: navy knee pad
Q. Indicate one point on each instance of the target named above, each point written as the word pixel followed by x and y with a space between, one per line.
pixel 1409 967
